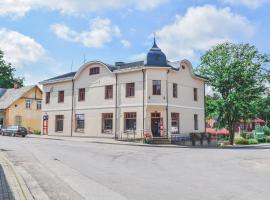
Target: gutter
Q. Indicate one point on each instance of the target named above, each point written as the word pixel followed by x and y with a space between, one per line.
pixel 167 106
pixel 116 106
pixel 72 108
pixel 143 98
pixel 204 108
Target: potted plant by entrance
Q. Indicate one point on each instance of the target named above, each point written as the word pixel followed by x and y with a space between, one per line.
pixel 148 137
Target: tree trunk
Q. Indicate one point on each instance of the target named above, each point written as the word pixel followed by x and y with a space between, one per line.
pixel 231 130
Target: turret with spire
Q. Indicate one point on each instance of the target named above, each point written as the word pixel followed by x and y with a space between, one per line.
pixel 155 57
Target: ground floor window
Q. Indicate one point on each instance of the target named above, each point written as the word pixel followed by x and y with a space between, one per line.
pixel 196 126
pixel 107 122
pixel 175 123
pixel 18 120
pixel 59 123
pixel 130 121
pixel 79 122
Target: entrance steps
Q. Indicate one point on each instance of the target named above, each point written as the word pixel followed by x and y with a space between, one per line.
pixel 161 140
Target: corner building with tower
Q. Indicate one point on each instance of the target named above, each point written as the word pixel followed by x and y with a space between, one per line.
pixel 126 99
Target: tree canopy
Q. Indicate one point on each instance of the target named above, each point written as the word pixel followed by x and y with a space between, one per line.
pixel 7 77
pixel 238 75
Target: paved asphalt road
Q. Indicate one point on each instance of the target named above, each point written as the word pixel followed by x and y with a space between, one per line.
pixel 55 169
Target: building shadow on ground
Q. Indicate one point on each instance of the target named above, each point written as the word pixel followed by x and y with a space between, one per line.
pixel 5 189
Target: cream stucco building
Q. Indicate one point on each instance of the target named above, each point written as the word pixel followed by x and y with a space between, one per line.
pixel 124 99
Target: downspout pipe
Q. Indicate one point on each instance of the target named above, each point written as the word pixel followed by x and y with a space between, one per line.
pixel 116 106
pixel 72 109
pixel 204 108
pixel 167 107
pixel 143 99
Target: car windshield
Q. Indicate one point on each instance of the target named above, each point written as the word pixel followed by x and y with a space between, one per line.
pixel 13 127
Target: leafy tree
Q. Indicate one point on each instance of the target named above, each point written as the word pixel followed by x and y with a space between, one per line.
pixel 7 78
pixel 238 74
pixel 211 106
pixel 264 107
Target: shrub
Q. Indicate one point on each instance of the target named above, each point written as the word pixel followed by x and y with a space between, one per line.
pixel 252 141
pixel 243 134
pixel 266 130
pixel 267 139
pixel 247 135
pixel 240 140
pixel 250 136
pixel 37 132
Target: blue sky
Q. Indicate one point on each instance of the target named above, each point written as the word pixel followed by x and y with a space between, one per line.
pixel 43 38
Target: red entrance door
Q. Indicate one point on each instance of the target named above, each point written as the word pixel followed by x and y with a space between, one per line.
pixel 156 124
pixel 45 125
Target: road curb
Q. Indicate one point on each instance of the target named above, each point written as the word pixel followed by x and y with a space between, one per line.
pixel 26 194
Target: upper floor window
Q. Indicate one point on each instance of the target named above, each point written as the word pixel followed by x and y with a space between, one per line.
pixel 61 96
pixel 28 103
pixel 108 91
pixel 81 96
pixel 48 96
pixel 156 87
pixel 38 104
pixel 196 125
pixel 130 89
pixel 175 92
pixel 94 70
pixel 195 91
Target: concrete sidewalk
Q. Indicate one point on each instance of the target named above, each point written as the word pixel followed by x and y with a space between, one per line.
pixel 117 142
pixel 103 141
pixel 12 186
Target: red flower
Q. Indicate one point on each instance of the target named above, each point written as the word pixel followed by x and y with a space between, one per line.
pixel 147 135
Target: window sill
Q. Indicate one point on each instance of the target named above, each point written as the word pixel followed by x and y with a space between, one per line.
pixel 110 132
pixel 78 131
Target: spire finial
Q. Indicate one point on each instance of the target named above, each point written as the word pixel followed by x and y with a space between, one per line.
pixel 155 44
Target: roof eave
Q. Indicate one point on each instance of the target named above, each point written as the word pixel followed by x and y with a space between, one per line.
pixel 56 81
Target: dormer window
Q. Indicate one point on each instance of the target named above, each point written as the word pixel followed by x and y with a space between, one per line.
pixel 94 70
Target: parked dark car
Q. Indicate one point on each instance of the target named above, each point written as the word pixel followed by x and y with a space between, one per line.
pixel 14 130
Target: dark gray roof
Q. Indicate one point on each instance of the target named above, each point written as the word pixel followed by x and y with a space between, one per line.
pixel 121 66
pixel 67 75
pixel 130 65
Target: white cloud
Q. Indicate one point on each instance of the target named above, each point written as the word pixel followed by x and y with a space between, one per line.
pixel 249 3
pixel 100 31
pixel 21 7
pixel 136 57
pixel 18 48
pixel 199 29
pixel 125 43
